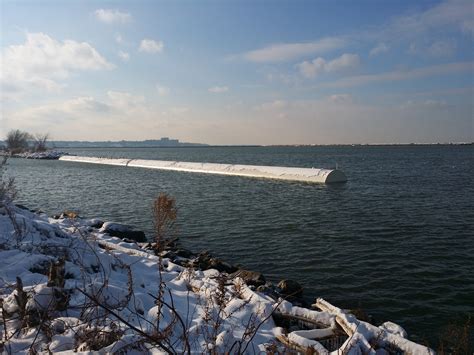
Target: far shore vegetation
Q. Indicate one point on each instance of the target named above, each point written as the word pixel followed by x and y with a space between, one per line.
pixel 18 141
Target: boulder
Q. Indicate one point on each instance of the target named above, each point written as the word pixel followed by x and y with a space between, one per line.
pixel 251 278
pixel 184 253
pixel 290 288
pixel 69 214
pixel 122 231
pixel 205 261
pixel 23 207
pixel 95 223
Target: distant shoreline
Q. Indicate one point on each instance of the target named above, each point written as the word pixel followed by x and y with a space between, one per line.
pixel 274 145
pixel 53 146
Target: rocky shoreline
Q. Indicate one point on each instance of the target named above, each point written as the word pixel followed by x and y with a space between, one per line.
pixel 55 272
pixel 47 155
pixel 173 250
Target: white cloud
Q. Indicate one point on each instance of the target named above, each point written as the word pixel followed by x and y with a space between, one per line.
pixel 218 89
pixel 320 65
pixel 328 120
pixel 275 105
pixel 151 46
pixel 124 56
pixel 345 61
pixel 110 16
pixel 287 51
pixel 424 105
pixel 117 102
pixel 87 117
pixel 438 48
pixel 451 13
pixel 445 48
pixel 179 110
pixel 379 49
pixel 434 70
pixel 436 103
pixel 312 68
pixel 118 38
pixel 124 100
pixel 162 90
pixel 341 98
pixel 87 103
pixel 43 61
pixel 467 26
pixel 413 48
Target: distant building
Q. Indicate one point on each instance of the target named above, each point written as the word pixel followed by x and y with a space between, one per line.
pixel 162 142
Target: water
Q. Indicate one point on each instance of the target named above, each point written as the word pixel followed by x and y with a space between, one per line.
pixel 396 240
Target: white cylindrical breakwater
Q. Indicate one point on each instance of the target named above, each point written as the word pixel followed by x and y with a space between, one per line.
pixel 312 175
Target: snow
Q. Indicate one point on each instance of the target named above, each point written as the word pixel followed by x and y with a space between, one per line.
pixel 268 172
pixel 114 227
pixel 118 297
pixel 49 155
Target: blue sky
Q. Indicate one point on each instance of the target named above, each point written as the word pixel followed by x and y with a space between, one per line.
pixel 239 72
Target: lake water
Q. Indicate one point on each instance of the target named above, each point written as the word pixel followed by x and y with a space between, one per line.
pixel 397 239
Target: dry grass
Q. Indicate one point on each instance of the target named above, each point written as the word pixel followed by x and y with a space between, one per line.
pixel 455 339
pixel 7 186
pixel 165 214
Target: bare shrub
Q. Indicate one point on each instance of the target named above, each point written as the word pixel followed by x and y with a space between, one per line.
pixel 8 194
pixel 17 141
pixel 40 142
pixel 165 213
pixel 454 340
pixel 102 322
pixel 7 186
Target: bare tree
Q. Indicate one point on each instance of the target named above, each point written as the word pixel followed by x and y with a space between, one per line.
pixel 40 141
pixel 17 141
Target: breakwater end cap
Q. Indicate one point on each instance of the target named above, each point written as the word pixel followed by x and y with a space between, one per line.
pixel 336 176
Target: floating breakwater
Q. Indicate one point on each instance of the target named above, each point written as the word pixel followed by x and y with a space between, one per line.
pixel 311 175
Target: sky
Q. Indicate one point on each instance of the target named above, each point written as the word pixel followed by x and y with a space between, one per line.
pixel 239 72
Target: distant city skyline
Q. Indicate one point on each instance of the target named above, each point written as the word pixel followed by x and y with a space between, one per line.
pixel 238 72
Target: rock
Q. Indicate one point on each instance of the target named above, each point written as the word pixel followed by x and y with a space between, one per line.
pixel 23 207
pixel 69 214
pixel 221 266
pixel 168 254
pixel 269 290
pixel 290 288
pixel 95 223
pixel 251 278
pixel 122 231
pixel 394 328
pixel 205 261
pixel 184 253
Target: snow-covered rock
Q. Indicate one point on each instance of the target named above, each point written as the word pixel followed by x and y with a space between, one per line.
pixel 115 297
pixel 122 231
pixel 47 155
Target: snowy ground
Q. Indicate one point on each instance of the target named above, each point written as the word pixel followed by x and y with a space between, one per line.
pixel 66 286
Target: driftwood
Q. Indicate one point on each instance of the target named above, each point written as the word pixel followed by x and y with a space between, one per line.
pixel 313 348
pixel 367 336
pixel 333 329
